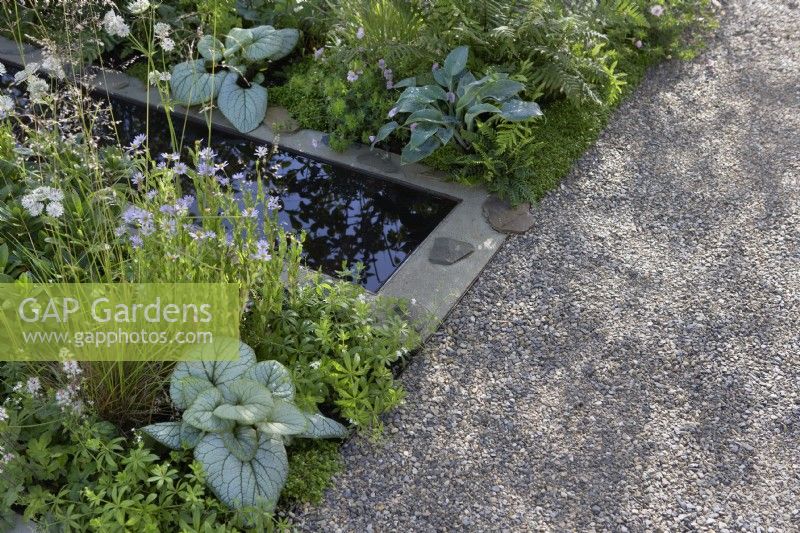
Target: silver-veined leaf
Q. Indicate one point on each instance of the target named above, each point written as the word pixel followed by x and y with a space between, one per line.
pixel 237 39
pixel 184 391
pixel 210 48
pixel 206 361
pixel 192 85
pixel 241 442
pixel 249 402
pixel 239 483
pixel 285 419
pixel 201 413
pixel 322 427
pixel 269 43
pixel 275 377
pixel 243 107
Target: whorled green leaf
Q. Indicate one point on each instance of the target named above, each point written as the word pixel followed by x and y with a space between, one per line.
pixel 204 363
pixel 456 61
pixel 273 376
pixel 385 131
pixel 269 43
pixel 192 85
pixel 285 419
pixel 412 155
pixel 249 402
pixel 322 427
pixel 239 483
pixel 477 109
pixel 201 413
pixel 243 107
pixel 518 110
pixel 210 48
pixel 184 391
pixel 241 442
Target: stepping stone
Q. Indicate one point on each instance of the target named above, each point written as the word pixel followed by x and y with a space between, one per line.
pixel 279 120
pixel 447 251
pixel 502 217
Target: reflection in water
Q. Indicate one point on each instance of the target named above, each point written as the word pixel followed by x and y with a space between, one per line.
pixel 347 216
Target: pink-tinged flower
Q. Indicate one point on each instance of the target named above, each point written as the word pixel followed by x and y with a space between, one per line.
pixel 413 126
pixel 351 76
pixel 381 64
pixel 388 74
pixel 372 138
pixel 451 97
pixel 392 112
pixel 638 43
pixel 657 10
pixel 390 84
pixel 318 52
pixel 360 33
pixel 435 66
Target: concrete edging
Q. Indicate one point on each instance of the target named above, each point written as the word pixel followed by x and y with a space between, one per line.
pixel 432 288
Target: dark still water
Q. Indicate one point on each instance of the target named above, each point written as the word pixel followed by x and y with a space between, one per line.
pixel 347 216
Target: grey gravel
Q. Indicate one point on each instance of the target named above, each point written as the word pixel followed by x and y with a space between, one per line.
pixel 633 362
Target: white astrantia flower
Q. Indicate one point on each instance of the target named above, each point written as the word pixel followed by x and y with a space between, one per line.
pixel 137 7
pixel 6 106
pixel 37 89
pixel 115 25
pixel 29 70
pixel 167 44
pixel 34 201
pixel 162 30
pixel 53 65
pixel 2 69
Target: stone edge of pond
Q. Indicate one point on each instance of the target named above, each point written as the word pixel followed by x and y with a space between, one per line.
pixel 434 289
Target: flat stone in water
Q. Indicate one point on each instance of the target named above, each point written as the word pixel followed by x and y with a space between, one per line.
pixel 447 251
pixel 503 217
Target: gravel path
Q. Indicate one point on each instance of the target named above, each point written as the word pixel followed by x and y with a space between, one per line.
pixel 633 362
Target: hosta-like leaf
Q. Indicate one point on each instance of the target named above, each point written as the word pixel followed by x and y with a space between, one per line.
pixel 184 391
pixel 210 48
pixel 500 89
pixel 412 155
pixel 422 133
pixel 192 85
pixel 322 427
pixel 269 43
pixel 456 61
pixel 273 376
pixel 426 93
pixel 205 366
pixel 240 483
pixel 442 78
pixel 237 39
pixel 405 82
pixel 429 114
pixel 445 134
pixel 385 131
pixel 285 419
pixel 517 110
pixel 244 107
pixel 463 82
pixel 476 110
pixel 201 413
pixel 241 442
pixel 249 403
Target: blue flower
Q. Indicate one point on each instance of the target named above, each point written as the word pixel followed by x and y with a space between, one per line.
pixel 262 251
